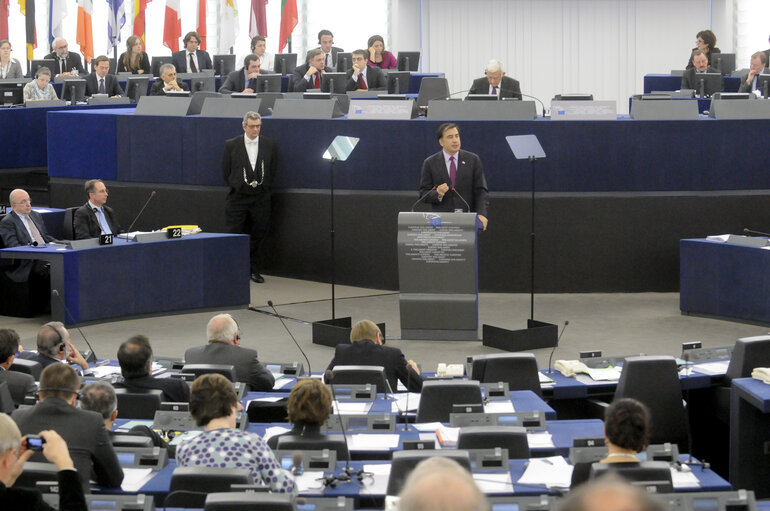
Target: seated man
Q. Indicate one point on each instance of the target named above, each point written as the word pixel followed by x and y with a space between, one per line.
pixel 224 348
pixel 700 65
pixel 244 79
pixel 95 217
pixel 167 82
pixel 363 77
pixel 367 348
pixel 191 59
pixel 757 67
pixel 19 384
pixel 67 63
pixel 135 358
pixel 54 346
pixel 308 75
pixel 495 82
pixel 15 453
pixel 83 431
pixel 441 484
pixel 100 81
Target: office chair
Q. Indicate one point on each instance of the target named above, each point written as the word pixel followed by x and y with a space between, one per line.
pixel 138 405
pixel 6 400
pixel 519 370
pixel 432 87
pixel 30 367
pixel 132 441
pixel 513 438
pixel 156 62
pixel 361 375
pixel 68 228
pixel 35 471
pixel 314 442
pixel 250 502
pixel 438 397
pixel 228 371
pixel 404 462
pixel 190 485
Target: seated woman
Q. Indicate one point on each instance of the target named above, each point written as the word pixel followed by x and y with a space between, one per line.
pixel 626 432
pixel 378 55
pixel 9 68
pixel 134 60
pixel 213 404
pixel 706 41
pixel 40 88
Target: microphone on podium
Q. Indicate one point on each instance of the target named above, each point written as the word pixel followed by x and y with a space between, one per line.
pixel 141 211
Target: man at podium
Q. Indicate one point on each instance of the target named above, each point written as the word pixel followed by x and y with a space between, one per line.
pixel 452 179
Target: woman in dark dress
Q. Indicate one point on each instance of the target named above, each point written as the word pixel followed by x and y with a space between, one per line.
pixel 707 42
pixel 134 60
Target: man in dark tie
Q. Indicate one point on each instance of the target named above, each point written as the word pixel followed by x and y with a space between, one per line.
pixel 95 217
pixel 191 59
pixel 67 63
pixel 249 163
pixel 700 65
pixel 100 81
pixel 326 45
pixel 495 82
pixel 308 76
pixel 453 180
pixel 244 79
pixel 363 77
pixel 757 67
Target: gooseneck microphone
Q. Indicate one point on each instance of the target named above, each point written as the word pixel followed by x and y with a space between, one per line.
pixel 141 211
pixel 91 358
pixel 536 99
pixel 309 372
pixel 329 380
pixel 755 233
pixel 550 357
pixel 421 199
pixel 462 199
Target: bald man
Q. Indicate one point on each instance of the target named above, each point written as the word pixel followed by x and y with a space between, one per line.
pixel 441 484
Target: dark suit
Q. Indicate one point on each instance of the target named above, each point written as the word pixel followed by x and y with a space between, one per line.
pixel 180 60
pixel 43 360
pixel 375 79
pixel 247 209
pixel 15 234
pixel 19 384
pixel 175 391
pixel 86 225
pixel 111 86
pixel 157 87
pixel 509 88
pixel 748 86
pixel 144 64
pixel 690 80
pixel 300 84
pixel 88 442
pixel 334 51
pixel 470 183
pixel 248 368
pixel 73 61
pixel 366 352
pixel 235 82
pixel 71 496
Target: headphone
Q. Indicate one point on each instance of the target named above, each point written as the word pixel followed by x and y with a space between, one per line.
pixel 58 348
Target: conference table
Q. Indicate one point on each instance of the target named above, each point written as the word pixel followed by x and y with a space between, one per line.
pixel 127 278
pixel 667 82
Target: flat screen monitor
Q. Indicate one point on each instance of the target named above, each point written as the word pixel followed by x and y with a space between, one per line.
pixel 74 89
pixel 203 83
pixel 159 61
pixel 724 63
pixel 269 82
pixel 344 61
pixel 408 60
pixel 763 84
pixel 707 84
pixel 574 96
pixel 49 63
pixel 12 93
pixel 284 63
pixel 398 82
pixel 334 83
pixel 224 64
pixel 136 87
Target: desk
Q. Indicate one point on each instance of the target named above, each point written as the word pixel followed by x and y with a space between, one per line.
pixel 204 270
pixel 724 279
pixel 669 82
pixel 749 436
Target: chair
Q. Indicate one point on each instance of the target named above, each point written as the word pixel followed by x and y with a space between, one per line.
pixel 132 441
pixel 35 471
pixel 513 438
pixel 156 62
pixel 653 476
pixel 361 375
pixel 432 87
pixel 316 442
pixel 519 370
pixel 250 501
pixel 138 405
pixel 68 229
pixel 6 400
pixel 748 353
pixel 404 462
pixel 654 381
pixel 190 485
pixel 228 371
pixel 30 367
pixel 437 398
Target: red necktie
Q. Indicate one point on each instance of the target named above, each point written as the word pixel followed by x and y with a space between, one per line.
pixel 317 81
pixel 361 82
pixel 452 170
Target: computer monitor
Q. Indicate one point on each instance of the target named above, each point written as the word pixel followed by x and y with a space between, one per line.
pixel 203 83
pixel 707 84
pixel 398 82
pixel 724 63
pixel 334 83
pixel 652 476
pixel 49 63
pixel 284 63
pixel 12 93
pixel 159 61
pixel 224 64
pixel 74 89
pixel 344 61
pixel 574 96
pixel 269 82
pixel 408 60
pixel 763 84
pixel 136 87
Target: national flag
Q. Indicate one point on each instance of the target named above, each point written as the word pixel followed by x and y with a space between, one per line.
pixel 116 18
pixel 258 22
pixel 27 8
pixel 228 24
pixel 5 7
pixel 201 28
pixel 139 8
pixel 172 26
pixel 57 11
pixel 289 20
pixel 85 34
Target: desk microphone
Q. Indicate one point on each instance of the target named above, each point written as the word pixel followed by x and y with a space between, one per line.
pixel 329 380
pixel 462 199
pixel 141 211
pixel 550 357
pixel 270 304
pixel 296 463
pixel 91 356
pixel 536 99
pixel 755 233
pixel 406 405
pixel 421 199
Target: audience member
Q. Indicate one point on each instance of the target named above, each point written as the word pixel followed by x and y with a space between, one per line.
pixel 495 82
pixel 83 431
pixel 167 82
pixel 134 59
pixel 224 348
pixel 191 59
pixel 362 76
pixel 67 63
pixel 706 42
pixel 214 405
pixel 609 493
pixel 135 359
pixel 99 397
pixel 54 347
pixel 326 45
pixel 101 81
pixel 40 89
pixel 19 384
pixel 258 48
pixel 378 55
pixel 366 348
pixel 441 484
pixel 9 67
pixel 757 67
pixel 244 79
pixel 94 217
pixel 690 78
pixel 308 75
pixel 16 452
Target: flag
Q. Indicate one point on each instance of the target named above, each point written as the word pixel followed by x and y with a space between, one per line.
pixel 228 24
pixel 289 19
pixel 116 18
pixel 85 34
pixel 27 8
pixel 201 29
pixel 5 7
pixel 258 23
pixel 57 11
pixel 172 26
pixel 139 7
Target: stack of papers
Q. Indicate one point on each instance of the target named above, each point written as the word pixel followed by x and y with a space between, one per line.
pixel 447 436
pixel 351 407
pixel 492 482
pixel 401 401
pixel 712 368
pixel 539 440
pixel 105 371
pixel 499 406
pixel 553 472
pixel 684 479
pixel 373 441
pixel 135 478
pixel 606 374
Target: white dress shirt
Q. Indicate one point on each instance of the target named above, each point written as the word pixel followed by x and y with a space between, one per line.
pixel 252 148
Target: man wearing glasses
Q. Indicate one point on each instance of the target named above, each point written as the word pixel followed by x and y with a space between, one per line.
pixel 67 64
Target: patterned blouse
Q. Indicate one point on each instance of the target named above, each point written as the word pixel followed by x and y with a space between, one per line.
pixel 33 92
pixel 232 448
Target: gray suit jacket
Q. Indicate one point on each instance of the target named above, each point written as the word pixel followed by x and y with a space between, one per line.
pixel 14 234
pixel 19 384
pixel 87 439
pixel 248 368
pixel 15 70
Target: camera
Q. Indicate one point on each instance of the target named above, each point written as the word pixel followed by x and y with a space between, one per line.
pixel 35 443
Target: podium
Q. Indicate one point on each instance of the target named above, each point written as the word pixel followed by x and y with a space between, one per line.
pixel 438 275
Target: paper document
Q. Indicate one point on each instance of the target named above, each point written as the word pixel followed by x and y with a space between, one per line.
pixel 447 436
pixel 491 482
pixel 351 407
pixel 499 406
pixel 711 368
pixel 373 441
pixel 309 481
pixel 425 426
pixel 539 440
pixel 274 430
pixel 401 401
pixel 606 374
pixel 139 422
pixel 719 237
pixel 281 382
pixel 544 379
pixel 105 371
pixel 135 478
pixel 684 479
pixel 551 472
pixel 184 437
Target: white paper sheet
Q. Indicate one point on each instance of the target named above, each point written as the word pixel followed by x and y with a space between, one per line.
pixel 492 482
pixel 351 407
pixel 684 479
pixel 542 439
pixel 499 406
pixel 606 374
pixel 373 441
pixel 135 478
pixel 543 378
pixel 281 382
pixel 552 472
pixel 425 426
pixel 104 371
pixel 401 402
pixel 308 481
pixel 274 430
pixel 711 368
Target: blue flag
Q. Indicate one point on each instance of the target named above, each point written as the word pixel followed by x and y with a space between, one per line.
pixel 116 18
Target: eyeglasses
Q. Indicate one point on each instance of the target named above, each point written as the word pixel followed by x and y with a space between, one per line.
pixel 62 47
pixel 253 126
